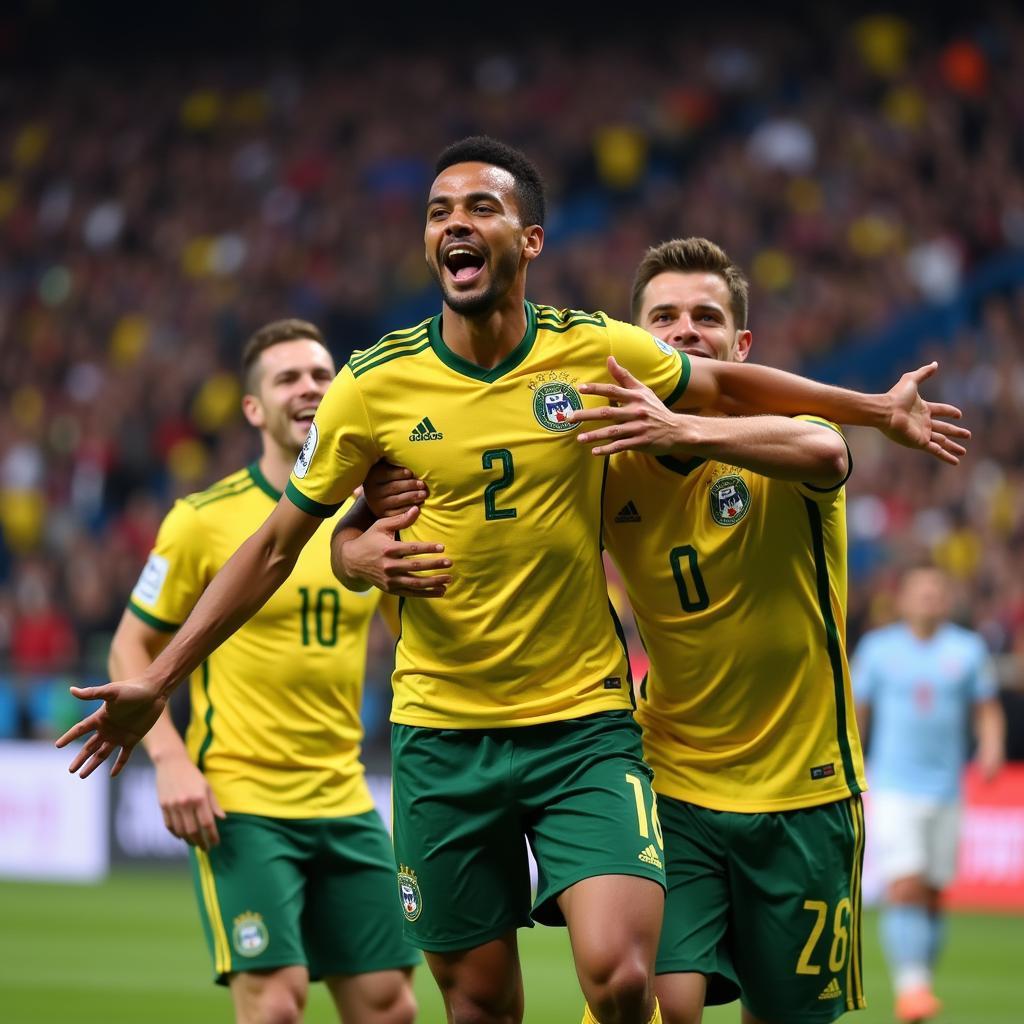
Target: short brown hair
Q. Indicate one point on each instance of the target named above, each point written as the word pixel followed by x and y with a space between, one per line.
pixel 267 336
pixel 692 256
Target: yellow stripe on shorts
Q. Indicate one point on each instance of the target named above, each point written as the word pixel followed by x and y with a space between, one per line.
pixel 221 946
pixel 854 981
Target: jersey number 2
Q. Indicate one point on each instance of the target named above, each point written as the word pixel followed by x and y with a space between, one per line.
pixel 503 457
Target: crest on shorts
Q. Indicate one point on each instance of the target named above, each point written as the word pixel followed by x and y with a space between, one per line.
pixel 409 893
pixel 730 500
pixel 552 404
pixel 250 934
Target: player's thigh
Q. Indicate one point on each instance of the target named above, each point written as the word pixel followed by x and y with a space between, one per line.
pixel 352 921
pixel 463 872
pixel 250 889
pixel 943 843
pixel 591 809
pixel 795 911
pixel 899 835
pixel 694 935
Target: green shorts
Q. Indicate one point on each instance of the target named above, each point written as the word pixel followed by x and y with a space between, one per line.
pixel 767 906
pixel 467 801
pixel 315 892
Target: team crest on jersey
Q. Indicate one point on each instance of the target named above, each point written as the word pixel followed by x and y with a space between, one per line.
pixel 409 893
pixel 307 452
pixel 730 500
pixel 552 404
pixel 250 934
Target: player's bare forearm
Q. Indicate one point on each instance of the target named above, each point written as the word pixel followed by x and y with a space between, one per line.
pixel 773 446
pixel 131 707
pixel 132 651
pixel 746 389
pixel 990 733
pixel 901 413
pixel 244 584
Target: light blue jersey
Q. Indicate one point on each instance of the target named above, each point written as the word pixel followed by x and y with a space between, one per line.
pixel 922 694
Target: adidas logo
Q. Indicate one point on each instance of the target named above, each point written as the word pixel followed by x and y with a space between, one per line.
pixel 628 514
pixel 832 991
pixel 425 431
pixel 650 856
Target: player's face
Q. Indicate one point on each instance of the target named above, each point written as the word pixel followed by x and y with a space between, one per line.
pixel 925 597
pixel 691 311
pixel 476 245
pixel 294 376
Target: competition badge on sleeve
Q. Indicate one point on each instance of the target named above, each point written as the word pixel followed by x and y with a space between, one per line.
pixel 307 452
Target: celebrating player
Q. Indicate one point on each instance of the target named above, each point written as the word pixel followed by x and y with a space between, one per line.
pixel 294 871
pixel 512 697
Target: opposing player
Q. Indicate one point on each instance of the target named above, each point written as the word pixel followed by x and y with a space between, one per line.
pixel 919 683
pixel 512 697
pixel 294 871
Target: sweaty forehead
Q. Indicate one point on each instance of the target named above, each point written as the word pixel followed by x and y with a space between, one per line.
pixel 465 179
pixel 686 290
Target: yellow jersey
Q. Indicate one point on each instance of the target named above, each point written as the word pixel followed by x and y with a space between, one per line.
pixel 275 724
pixel 738 586
pixel 525 633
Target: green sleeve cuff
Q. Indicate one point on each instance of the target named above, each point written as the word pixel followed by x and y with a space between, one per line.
pixel 684 379
pixel 314 508
pixel 152 620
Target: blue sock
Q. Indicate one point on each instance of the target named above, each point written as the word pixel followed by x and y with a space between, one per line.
pixel 936 936
pixel 906 935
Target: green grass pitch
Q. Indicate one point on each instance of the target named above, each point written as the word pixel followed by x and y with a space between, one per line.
pixel 131 951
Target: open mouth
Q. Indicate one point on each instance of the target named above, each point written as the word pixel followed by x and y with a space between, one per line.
pixel 304 417
pixel 463 264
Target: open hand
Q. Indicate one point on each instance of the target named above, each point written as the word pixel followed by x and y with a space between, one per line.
pixel 638 418
pixel 915 423
pixel 130 709
pixel 189 807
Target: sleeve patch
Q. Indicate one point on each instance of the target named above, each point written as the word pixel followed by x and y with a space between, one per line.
pixel 663 345
pixel 151 580
pixel 302 463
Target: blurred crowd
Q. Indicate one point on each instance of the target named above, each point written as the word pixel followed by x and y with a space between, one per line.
pixel 153 213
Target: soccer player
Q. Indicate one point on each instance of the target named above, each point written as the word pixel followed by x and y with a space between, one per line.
pixel 919 682
pixel 513 701
pixel 293 868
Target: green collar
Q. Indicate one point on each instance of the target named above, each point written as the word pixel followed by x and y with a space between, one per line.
pixel 262 482
pixel 468 369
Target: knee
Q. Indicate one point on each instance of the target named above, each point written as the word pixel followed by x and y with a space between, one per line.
pixel 277 1005
pixel 910 890
pixel 475 1008
pixel 617 990
pixel 681 1002
pixel 400 1008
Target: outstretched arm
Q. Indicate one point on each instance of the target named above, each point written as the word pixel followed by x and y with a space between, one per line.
pixel 237 592
pixel 187 802
pixel 638 420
